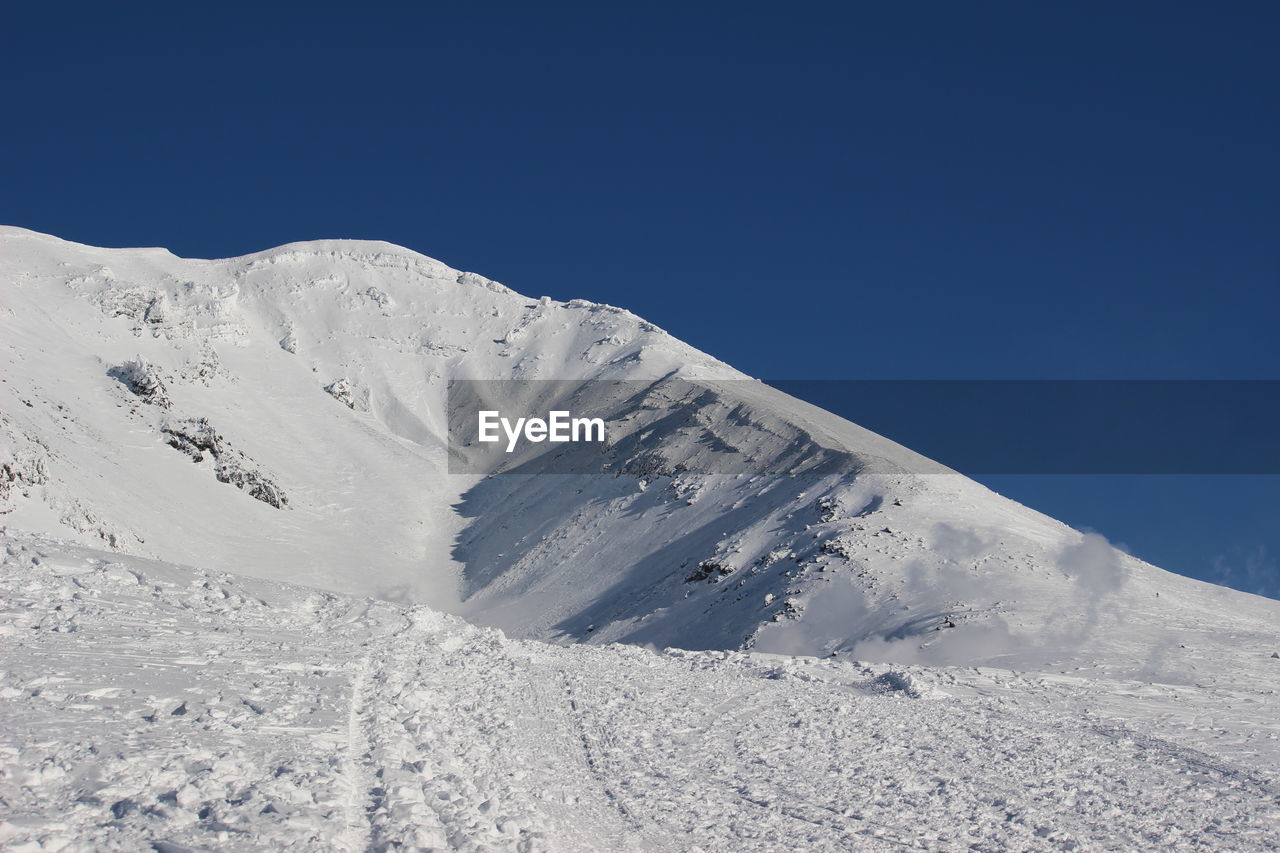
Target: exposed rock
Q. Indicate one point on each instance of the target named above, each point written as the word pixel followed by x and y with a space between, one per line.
pixel 840 547
pixel 709 569
pixel 254 483
pixel 348 394
pixel 20 469
pixel 196 437
pixel 828 509
pixel 155 312
pixel 131 302
pixel 143 379
pixel 205 368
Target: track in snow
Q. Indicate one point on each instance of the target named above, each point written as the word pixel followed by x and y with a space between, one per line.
pixel 357 833
pixel 146 704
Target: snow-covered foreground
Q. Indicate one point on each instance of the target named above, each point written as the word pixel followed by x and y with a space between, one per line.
pixel 150 706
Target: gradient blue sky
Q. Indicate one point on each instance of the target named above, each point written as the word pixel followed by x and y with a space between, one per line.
pixel 806 190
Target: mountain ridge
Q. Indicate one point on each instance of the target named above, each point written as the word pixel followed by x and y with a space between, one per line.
pixel 321 368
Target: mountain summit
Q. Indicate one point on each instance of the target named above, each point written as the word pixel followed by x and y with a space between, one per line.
pixel 285 415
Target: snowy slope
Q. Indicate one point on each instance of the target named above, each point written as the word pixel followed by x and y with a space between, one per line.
pixel 149 706
pixel 282 415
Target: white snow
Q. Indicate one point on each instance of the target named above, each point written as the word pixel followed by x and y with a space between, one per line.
pixel 314 374
pixel 281 417
pixel 149 704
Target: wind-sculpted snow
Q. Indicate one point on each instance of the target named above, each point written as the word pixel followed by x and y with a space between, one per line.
pixel 149 706
pixel 285 415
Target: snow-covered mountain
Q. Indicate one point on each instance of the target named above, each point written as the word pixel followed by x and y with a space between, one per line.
pixel 231 515
pixel 284 415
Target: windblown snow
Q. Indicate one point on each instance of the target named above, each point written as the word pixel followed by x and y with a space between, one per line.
pixel 278 421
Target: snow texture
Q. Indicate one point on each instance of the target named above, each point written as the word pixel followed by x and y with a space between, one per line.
pixel 146 704
pixel 280 421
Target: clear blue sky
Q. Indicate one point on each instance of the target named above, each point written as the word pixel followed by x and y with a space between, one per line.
pixel 806 190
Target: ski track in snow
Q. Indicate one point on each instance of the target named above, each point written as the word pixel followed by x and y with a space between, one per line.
pixel 148 706
pixel 356 835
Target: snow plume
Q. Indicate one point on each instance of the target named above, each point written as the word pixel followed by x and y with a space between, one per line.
pixel 1163 664
pixel 964 626
pixel 1094 563
pixel 957 544
pixel 440 588
pixel 827 617
pixel 952 618
pixel 949 575
pixel 1248 571
pixel 1099 572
